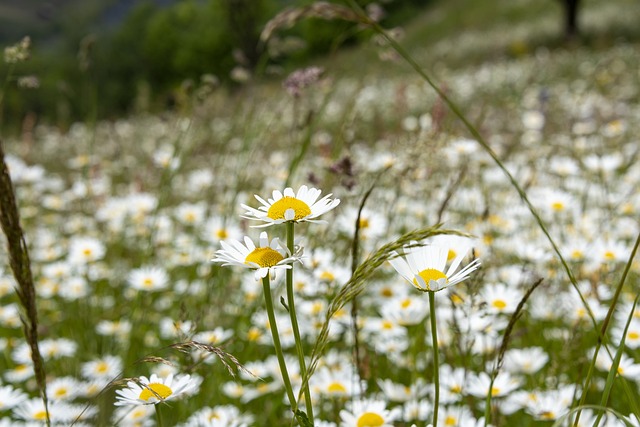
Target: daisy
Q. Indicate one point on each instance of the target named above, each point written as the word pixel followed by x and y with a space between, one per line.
pixel 153 390
pixel 83 250
pixel 368 413
pixel 63 389
pixel 424 267
pixel 140 416
pixel 104 368
pixel 148 278
pixel 267 258
pixel 525 360
pixel 10 397
pixel 289 206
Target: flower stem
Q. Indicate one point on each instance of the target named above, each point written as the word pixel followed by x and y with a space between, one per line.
pixel 436 364
pixel 294 322
pixel 268 301
pixel 158 414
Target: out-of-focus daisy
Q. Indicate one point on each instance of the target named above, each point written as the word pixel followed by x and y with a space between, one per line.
pixel 396 392
pixel 525 360
pixel 63 389
pixel 139 416
pixel 218 416
pixel 155 389
pixel 369 413
pixel 334 383
pixel 190 213
pixel 83 250
pixel 10 397
pixel 170 328
pixel 425 267
pixel 289 206
pixel 407 310
pixel 267 258
pixel 503 385
pixel 500 298
pixel 148 279
pixel 104 368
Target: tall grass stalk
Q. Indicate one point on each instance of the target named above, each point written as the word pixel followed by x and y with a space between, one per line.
pixel 21 267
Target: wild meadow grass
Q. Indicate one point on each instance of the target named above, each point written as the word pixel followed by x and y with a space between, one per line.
pixel 529 162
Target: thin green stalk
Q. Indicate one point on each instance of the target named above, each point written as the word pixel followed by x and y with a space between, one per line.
pixel 294 322
pixel 158 414
pixel 436 364
pixel 268 301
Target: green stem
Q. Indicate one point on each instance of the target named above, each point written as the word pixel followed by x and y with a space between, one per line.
pixel 436 364
pixel 158 414
pixel 268 301
pixel 294 322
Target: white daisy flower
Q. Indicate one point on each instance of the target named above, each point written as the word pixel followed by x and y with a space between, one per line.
pixel 155 389
pixel 424 267
pixel 267 258
pixel 289 206
pixel 104 368
pixel 148 279
pixel 368 413
pixel 10 397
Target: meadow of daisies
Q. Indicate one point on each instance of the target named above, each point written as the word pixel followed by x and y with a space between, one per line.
pixel 155 239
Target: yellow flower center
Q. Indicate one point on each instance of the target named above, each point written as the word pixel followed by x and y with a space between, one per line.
pixel 326 275
pixel 87 251
pixel 450 421
pixel 495 391
pixel 61 392
pixel 370 419
pixel 428 275
pixel 557 206
pixel 40 415
pixel 633 335
pixel 221 233
pixel 102 367
pixel 548 415
pixel 499 304
pixel 254 334
pixel 451 254
pixel 155 390
pixel 264 257
pixel 577 254
pixel 278 209
pixel 336 387
pixel 363 223
pixel 609 255
pixel 405 303
pixel 147 282
pixel 386 292
pixel 387 324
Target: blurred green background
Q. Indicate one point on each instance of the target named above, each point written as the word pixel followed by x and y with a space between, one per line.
pixel 104 58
